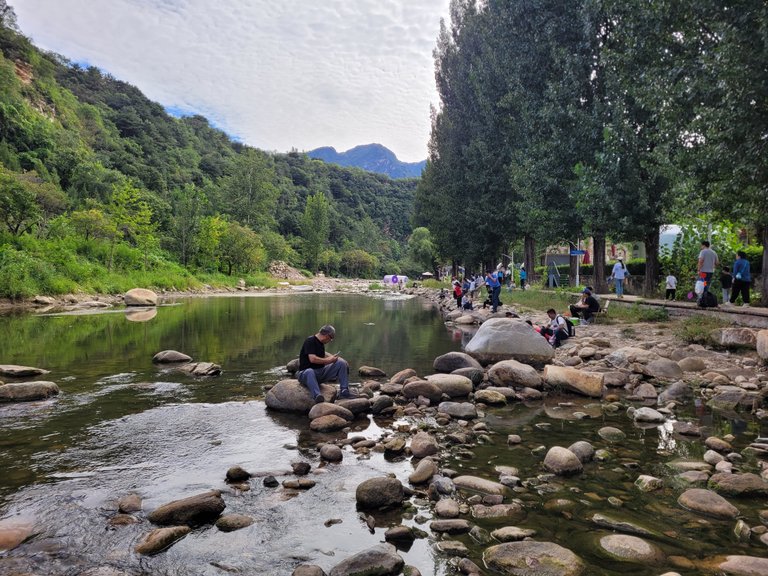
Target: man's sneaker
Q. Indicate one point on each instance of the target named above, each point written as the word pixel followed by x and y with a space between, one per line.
pixel 346 394
pixel 319 399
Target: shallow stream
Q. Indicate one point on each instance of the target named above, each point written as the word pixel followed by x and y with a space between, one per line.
pixel 124 425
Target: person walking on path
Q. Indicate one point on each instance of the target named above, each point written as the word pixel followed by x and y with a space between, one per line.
pixel 671 287
pixel 618 275
pixel 494 287
pixel 726 281
pixel 741 278
pixel 706 265
pixel 315 367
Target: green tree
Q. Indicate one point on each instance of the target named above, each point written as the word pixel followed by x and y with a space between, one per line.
pixel 315 229
pixel 421 249
pixel 240 249
pixel 249 189
pixel 132 219
pixel 19 209
pixel 209 235
pixel 92 223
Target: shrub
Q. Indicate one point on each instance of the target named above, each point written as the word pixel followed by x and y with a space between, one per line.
pixel 696 329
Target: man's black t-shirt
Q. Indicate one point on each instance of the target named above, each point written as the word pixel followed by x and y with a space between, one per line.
pixel 592 304
pixel 311 346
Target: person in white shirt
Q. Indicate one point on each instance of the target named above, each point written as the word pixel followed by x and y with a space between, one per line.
pixel 671 288
pixel 557 331
pixel 618 275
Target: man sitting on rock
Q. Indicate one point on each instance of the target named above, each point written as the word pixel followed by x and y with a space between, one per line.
pixel 316 368
pixel 557 331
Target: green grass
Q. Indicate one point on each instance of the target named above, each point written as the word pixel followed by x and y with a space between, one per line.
pixel 638 313
pixel 696 329
pixel 537 299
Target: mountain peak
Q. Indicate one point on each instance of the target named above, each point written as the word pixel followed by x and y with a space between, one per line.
pixel 371 157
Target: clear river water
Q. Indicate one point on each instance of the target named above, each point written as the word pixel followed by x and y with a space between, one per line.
pixel 124 425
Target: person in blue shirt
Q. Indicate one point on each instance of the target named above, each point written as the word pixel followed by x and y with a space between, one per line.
pixel 523 276
pixel 741 278
pixel 494 287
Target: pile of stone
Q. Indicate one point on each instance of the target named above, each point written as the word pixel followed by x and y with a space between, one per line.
pixel 280 269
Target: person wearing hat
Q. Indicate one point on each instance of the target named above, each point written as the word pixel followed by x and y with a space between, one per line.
pixel 523 276
pixel 618 275
pixel 586 307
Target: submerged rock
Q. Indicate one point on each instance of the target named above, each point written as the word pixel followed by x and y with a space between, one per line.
pixel 170 356
pixel 27 391
pixel 16 371
pixel 381 560
pixel 232 522
pixel 707 503
pixel 371 372
pixel 626 548
pixel 376 493
pixel 529 558
pixel 160 539
pixel 193 511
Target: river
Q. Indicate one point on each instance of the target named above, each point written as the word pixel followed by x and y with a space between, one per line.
pixel 124 425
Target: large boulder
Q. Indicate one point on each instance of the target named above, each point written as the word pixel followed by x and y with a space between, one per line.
pixel 140 297
pixel 663 369
pixel 15 371
pixel 625 548
pixel 514 373
pixel 761 342
pixel 453 361
pixel 624 357
pixel 27 391
pixel 531 558
pixel 734 338
pixel 292 396
pixel 193 511
pixel 500 339
pixel 744 566
pixel 423 444
pixel 423 388
pixel 586 383
pixel 746 484
pixel 381 560
pixel 452 385
pixel 477 484
pixel 562 461
pixel 380 492
pixel 461 410
pixel 707 503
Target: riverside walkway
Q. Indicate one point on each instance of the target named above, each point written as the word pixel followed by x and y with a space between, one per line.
pixel 751 316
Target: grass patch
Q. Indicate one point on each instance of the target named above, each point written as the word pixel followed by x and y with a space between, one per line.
pixel 537 299
pixel 696 329
pixel 375 286
pixel 639 313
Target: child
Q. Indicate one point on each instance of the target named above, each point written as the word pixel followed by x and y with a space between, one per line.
pixel 466 302
pixel 671 288
pixel 726 281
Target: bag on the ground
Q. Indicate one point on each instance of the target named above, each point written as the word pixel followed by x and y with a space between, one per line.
pixel 708 300
pixel 698 288
pixel 569 327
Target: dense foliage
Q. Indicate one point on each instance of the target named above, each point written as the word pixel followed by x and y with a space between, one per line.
pixel 606 118
pixel 99 185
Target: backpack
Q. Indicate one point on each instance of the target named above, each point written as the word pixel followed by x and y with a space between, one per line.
pixel 570 328
pixel 708 300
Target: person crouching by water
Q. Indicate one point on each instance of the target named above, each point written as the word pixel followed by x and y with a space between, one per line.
pixel 316 368
pixel 587 307
pixel 557 331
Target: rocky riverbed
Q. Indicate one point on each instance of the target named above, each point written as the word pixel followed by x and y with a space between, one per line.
pixel 625 450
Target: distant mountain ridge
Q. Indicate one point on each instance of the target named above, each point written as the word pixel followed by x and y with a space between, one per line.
pixel 370 157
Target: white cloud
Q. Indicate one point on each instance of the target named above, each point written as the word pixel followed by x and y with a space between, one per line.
pixel 278 74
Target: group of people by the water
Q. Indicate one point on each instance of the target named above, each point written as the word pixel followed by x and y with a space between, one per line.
pixel 467 290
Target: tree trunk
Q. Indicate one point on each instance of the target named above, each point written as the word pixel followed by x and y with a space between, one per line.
pixel 764 271
pixel 651 241
pixel 598 264
pixel 529 257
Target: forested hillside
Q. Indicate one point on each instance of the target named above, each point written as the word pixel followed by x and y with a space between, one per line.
pixel 602 118
pixel 101 188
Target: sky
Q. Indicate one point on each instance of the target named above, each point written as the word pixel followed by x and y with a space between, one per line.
pixel 275 74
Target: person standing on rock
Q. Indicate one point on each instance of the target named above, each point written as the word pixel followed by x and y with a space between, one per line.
pixel 316 368
pixel 494 288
